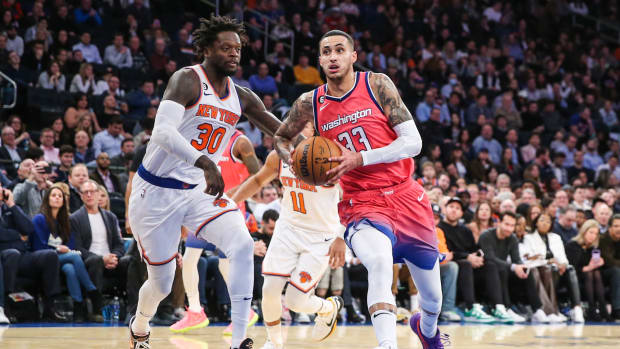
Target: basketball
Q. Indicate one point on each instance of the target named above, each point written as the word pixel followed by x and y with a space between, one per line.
pixel 311 159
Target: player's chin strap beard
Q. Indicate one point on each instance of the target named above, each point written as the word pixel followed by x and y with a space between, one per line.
pixel 382 306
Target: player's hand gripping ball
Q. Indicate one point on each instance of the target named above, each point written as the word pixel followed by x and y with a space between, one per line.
pixel 311 159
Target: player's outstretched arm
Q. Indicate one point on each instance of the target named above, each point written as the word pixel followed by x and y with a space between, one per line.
pixel 181 90
pixel 253 184
pixel 288 135
pixel 244 150
pixel 255 111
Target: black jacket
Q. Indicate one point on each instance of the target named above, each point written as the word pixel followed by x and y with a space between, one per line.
pixel 14 224
pixel 75 200
pixel 460 240
pixel 94 175
pixel 80 224
pixel 11 170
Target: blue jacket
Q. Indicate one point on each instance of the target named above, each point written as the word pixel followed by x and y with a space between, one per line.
pixel 41 235
pixel 13 225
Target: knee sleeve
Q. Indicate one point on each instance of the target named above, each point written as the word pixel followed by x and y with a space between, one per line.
pixel 295 299
pixel 374 249
pixel 272 296
pixel 161 278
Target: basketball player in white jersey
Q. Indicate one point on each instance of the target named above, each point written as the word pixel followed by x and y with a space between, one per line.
pixel 179 184
pixel 307 238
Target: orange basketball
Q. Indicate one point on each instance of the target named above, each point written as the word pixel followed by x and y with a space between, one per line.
pixel 311 159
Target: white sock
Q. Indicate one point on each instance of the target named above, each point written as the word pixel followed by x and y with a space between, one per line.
pixel 414 302
pixel 190 277
pixel 275 334
pixel 384 324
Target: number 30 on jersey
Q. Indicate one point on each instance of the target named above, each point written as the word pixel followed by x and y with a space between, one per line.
pixel 209 138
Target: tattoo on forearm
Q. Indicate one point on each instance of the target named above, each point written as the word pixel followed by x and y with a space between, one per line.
pixel 389 99
pixel 287 134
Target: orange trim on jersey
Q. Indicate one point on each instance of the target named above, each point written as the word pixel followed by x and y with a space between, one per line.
pixel 148 260
pixel 276 274
pixel 214 90
pixel 199 91
pixel 212 219
pixel 301 289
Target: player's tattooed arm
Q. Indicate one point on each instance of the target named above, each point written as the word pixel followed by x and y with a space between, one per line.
pixel 255 111
pixel 389 99
pixel 288 135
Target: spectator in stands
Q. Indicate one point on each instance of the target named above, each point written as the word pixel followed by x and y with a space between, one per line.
pixel 90 52
pixel 14 42
pixel 499 243
pixel 608 116
pixel 10 154
pixel 282 69
pixel 564 224
pixel 238 78
pixel 98 238
pixel 482 220
pixel 478 108
pixel 602 214
pixel 66 161
pixel 449 271
pixel 50 152
pixel 4 53
pixel 261 243
pixel 306 74
pixel 22 76
pixel 508 110
pixel 28 195
pixel 118 54
pixel 262 82
pixel 102 174
pixel 110 139
pixel 52 78
pixel 86 16
pixel 138 58
pixel 17 260
pixel 591 159
pixel 610 252
pixel 181 50
pixel 23 139
pixel 84 81
pixel 74 113
pixel 61 21
pixel 104 198
pixel 584 255
pixel 424 108
pixel 126 154
pixel 83 153
pixel 36 59
pixel 139 101
pixel 159 58
pixel 52 231
pixel 486 140
pixel 78 174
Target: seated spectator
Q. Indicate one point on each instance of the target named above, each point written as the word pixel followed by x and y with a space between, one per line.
pixel 592 159
pixel 261 243
pixel 23 140
pixel 602 214
pixel 16 71
pixel 543 252
pixel 423 110
pixel 268 200
pixel 84 81
pixel 528 151
pixel 104 198
pixel 28 195
pixel 83 153
pixel 52 78
pixel 262 82
pixel 50 152
pixel 306 74
pixel 486 140
pixel 483 220
pixel 118 54
pixel 90 52
pixel 10 154
pixel 126 154
pixel 66 161
pixel 584 255
pixel 110 139
pixel 138 58
pixel 448 271
pixel 55 213
pixel 17 260
pixel 610 252
pixel 579 167
pixel 98 238
pixel 102 174
pixel 159 58
pixel 460 242
pixel 564 224
pixel 78 174
pixel 608 116
pixel 139 101
pixel 499 243
pixel 74 114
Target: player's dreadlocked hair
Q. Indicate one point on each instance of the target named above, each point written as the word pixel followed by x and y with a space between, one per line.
pixel 208 29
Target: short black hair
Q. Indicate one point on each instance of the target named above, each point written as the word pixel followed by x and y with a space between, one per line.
pixel 125 141
pixel 613 218
pixel 66 148
pixel 509 214
pixel 270 215
pixel 208 29
pixel 115 120
pixel 336 33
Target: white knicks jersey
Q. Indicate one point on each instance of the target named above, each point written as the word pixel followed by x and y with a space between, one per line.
pixel 207 125
pixel 309 207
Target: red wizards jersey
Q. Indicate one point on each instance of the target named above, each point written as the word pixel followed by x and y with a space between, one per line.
pixel 357 121
pixel 233 170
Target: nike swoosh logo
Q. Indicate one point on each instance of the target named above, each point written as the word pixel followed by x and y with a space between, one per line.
pixel 323 107
pixel 208 94
pixel 247 298
pixel 328 239
pixel 377 314
pixel 421 197
pixel 329 324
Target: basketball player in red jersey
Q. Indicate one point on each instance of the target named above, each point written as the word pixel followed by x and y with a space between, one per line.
pixel 388 216
pixel 236 164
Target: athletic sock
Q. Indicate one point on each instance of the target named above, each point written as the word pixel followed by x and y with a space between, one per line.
pixel 384 324
pixel 414 302
pixel 428 324
pixel 274 333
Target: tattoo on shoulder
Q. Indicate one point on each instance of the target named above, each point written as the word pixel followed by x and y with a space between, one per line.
pixel 389 99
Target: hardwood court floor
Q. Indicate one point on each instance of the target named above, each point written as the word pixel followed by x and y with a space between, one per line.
pixel 354 337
